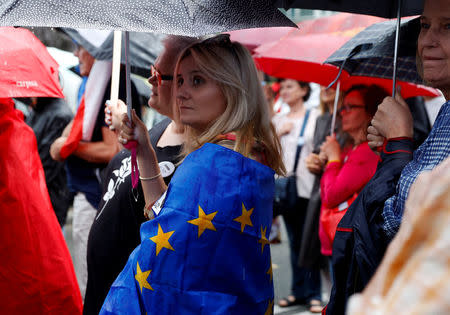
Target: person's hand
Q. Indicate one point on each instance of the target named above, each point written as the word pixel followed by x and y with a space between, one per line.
pixel 375 139
pixel 286 128
pixel 331 149
pixel 314 163
pixel 55 148
pixel 113 114
pixel 393 118
pixel 134 130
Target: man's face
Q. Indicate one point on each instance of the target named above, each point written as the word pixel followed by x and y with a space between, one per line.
pixel 85 59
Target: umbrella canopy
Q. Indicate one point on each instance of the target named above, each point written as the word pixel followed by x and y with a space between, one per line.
pixel 144 47
pixel 375 56
pixel 382 8
pixel 344 24
pixel 179 17
pixel 300 58
pixel 26 67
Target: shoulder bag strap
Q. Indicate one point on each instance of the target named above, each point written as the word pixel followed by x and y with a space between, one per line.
pixel 300 144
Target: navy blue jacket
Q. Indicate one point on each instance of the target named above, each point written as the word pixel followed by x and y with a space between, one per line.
pixel 359 244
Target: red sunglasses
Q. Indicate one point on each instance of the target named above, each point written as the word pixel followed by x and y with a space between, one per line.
pixel 159 76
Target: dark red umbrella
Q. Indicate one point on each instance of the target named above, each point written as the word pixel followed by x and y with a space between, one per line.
pixel 26 67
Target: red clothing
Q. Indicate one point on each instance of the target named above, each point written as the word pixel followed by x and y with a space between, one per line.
pixel 36 274
pixel 341 180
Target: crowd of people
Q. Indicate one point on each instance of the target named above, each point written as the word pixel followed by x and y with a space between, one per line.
pixel 193 236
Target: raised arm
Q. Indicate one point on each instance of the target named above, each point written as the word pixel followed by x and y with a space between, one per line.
pixel 150 175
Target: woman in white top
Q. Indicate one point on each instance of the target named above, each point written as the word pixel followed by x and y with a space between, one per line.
pixel 305 282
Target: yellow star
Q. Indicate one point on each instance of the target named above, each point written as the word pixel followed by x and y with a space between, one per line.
pixel 269 309
pixel 162 240
pixel 204 221
pixel 263 240
pixel 141 277
pixel 269 272
pixel 244 219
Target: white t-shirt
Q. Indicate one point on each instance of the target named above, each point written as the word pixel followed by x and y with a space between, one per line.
pixel 305 179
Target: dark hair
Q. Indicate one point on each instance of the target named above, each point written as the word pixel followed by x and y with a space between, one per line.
pixel 372 95
pixel 304 85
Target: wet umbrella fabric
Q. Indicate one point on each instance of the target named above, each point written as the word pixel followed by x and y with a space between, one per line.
pixel 26 69
pixel 381 8
pixel 345 24
pixel 376 56
pixel 144 47
pixel 179 17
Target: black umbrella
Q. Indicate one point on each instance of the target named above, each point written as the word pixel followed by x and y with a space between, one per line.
pixel 370 52
pixel 144 47
pixel 180 17
pixel 381 8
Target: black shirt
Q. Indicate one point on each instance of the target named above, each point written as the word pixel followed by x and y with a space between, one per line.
pixel 115 231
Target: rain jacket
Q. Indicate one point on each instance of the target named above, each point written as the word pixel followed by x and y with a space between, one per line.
pixel 48 120
pixel 359 244
pixel 36 274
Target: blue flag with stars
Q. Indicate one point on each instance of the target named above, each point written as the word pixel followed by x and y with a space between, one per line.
pixel 207 252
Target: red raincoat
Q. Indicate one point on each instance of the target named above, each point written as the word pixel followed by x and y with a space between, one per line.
pixel 36 273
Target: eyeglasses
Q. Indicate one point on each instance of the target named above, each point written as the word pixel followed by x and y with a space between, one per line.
pixel 160 77
pixel 348 108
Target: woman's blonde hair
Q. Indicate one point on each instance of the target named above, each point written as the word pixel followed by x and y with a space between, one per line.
pixel 247 113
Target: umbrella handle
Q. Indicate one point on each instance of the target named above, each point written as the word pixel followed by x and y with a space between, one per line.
pixel 336 100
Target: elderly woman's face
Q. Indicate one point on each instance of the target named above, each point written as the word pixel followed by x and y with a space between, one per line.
pixel 434 43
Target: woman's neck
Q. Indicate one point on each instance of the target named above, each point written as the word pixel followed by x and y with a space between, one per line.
pixel 358 136
pixel 297 110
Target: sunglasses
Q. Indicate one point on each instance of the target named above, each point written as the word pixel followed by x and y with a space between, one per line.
pixel 348 108
pixel 160 77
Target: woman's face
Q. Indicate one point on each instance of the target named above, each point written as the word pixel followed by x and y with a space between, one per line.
pixel 327 96
pixel 434 43
pixel 199 98
pixel 161 98
pixel 291 92
pixel 353 113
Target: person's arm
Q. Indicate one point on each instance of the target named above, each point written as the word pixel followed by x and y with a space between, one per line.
pixel 152 182
pixel 340 181
pixel 392 120
pixel 55 147
pixel 99 151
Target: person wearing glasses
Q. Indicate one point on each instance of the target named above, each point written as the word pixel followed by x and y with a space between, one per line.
pixel 347 169
pixel 206 250
pixel 115 231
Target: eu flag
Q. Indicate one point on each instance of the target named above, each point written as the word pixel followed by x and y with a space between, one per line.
pixel 207 252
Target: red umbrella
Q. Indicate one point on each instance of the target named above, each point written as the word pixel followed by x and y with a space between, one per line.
pixel 26 67
pixel 345 24
pixel 302 57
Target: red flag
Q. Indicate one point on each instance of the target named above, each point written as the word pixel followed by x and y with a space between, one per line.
pixel 86 117
pixel 36 274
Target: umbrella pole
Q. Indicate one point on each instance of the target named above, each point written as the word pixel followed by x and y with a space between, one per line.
pixel 116 67
pixel 336 100
pixel 397 39
pixel 127 74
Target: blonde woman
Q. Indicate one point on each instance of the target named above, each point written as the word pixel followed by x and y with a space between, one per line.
pixel 206 249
